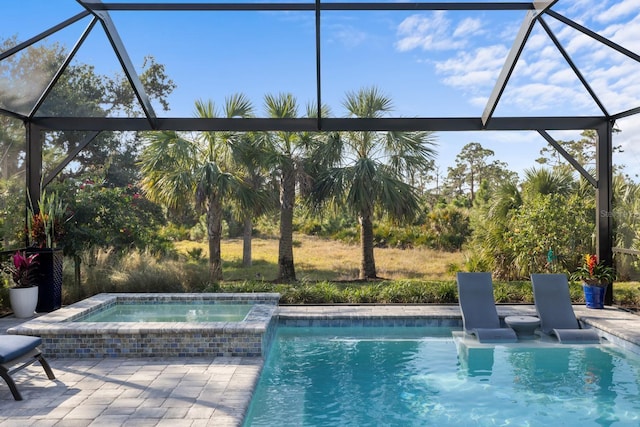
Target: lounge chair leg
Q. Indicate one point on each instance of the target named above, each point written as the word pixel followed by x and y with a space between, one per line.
pixel 12 385
pixel 46 366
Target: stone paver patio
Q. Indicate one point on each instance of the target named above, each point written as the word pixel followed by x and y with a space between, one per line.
pixel 195 392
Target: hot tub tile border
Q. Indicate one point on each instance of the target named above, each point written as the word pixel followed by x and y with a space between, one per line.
pixel 64 338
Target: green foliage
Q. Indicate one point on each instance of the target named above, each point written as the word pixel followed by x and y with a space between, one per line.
pixel 195 254
pixel 541 224
pixel 513 230
pixel 113 218
pixel 12 224
pixel 449 227
pixel 143 272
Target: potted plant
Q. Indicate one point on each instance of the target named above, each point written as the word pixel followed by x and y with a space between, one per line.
pixel 45 228
pixel 595 277
pixel 23 296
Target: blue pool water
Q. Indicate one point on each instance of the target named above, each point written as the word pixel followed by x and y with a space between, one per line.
pixel 421 377
pixel 170 312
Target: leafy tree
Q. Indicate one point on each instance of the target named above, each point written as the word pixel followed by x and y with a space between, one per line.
pixel 252 166
pixel 472 167
pixel 514 228
pixel 369 171
pixel 177 170
pixel 582 150
pixel 540 225
pixel 115 218
pixel 80 91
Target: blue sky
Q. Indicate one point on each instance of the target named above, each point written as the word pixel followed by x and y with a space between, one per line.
pixel 432 64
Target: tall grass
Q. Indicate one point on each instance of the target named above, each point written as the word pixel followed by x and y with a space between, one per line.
pixel 318 259
pixel 325 269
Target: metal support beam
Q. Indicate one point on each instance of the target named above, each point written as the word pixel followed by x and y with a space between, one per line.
pixel 318 66
pixel 573 66
pixel 604 198
pixel 569 158
pixel 512 58
pixel 595 35
pixel 43 35
pixel 627 113
pixel 62 67
pixel 72 154
pixel 125 61
pixel 33 167
pixel 308 6
pixel 12 114
pixel 444 124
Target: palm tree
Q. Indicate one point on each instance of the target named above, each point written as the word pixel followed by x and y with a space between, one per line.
pixel 251 164
pixel 178 170
pixel 288 151
pixel 548 181
pixel 370 168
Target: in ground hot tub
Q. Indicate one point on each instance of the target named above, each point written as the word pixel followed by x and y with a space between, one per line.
pixel 218 325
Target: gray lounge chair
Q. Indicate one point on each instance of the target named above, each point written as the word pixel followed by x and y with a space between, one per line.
pixel 479 314
pixel 553 304
pixel 21 349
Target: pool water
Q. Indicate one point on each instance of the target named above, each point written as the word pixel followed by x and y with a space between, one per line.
pixel 420 377
pixel 170 312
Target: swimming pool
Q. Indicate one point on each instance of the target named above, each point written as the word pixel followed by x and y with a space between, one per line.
pixel 420 376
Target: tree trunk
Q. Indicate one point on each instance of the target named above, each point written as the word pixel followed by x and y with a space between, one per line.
pixel 77 261
pixel 368 265
pixel 214 232
pixel 246 241
pixel 285 250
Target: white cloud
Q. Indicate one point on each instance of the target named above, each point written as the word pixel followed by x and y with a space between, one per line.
pixel 434 32
pixel 618 10
pixel 468 70
pixel 539 97
pixel 542 79
pixel 468 26
pixel 479 101
pixel 563 77
pixel 626 34
pixel 629 139
pixel 347 35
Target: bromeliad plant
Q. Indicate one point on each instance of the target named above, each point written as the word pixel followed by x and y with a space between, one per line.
pixel 594 272
pixel 23 269
pixel 46 226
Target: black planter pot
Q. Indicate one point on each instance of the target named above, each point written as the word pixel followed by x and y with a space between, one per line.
pixel 49 278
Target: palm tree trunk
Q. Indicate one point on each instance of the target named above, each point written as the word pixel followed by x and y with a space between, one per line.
pixel 368 265
pixel 246 241
pixel 77 275
pixel 287 270
pixel 214 231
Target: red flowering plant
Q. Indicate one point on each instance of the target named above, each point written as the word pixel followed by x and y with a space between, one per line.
pixel 594 272
pixel 23 269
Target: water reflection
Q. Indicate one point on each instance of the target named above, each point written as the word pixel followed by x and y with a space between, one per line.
pixel 583 373
pixel 476 361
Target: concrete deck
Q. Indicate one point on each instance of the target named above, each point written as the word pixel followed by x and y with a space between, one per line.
pixel 198 391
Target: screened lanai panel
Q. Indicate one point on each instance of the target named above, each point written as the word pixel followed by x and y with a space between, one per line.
pixel 611 74
pixel 544 84
pixel 28 18
pixel 12 179
pixel 93 84
pixel 25 74
pixel 96 157
pixel 211 55
pixel 430 63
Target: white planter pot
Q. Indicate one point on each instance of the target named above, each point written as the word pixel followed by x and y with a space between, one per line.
pixel 23 301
